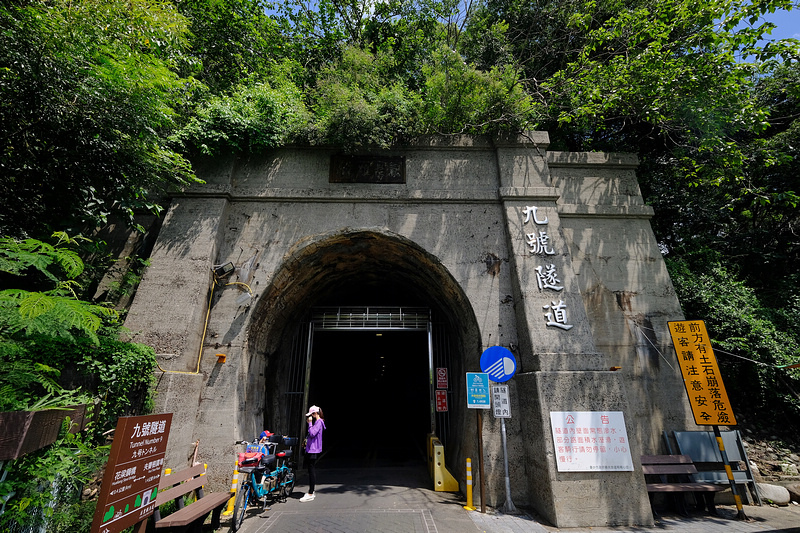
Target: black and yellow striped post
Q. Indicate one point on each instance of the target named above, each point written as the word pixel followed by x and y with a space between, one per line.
pixel 739 510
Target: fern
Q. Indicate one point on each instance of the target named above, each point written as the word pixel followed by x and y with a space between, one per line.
pixel 16 256
pixel 28 385
pixel 55 312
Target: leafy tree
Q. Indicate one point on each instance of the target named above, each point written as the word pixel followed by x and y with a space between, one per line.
pixel 462 99
pixel 231 41
pixel 313 32
pixel 87 92
pixel 251 118
pixel 357 103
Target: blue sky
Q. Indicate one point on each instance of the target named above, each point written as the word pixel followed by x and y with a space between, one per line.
pixel 788 24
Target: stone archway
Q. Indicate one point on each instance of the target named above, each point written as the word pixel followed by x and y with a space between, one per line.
pixel 350 267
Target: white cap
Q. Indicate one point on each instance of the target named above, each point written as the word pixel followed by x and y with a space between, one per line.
pixel 312 409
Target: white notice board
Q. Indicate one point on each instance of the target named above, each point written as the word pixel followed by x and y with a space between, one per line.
pixel 590 441
pixel 500 401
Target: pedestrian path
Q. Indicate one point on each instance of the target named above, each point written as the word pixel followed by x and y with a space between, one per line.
pixel 760 519
pixel 402 500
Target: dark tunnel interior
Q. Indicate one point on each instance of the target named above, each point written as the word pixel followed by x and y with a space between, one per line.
pixel 373 389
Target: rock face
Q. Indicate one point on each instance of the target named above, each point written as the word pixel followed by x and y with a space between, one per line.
pixel 772 461
pixel 774 494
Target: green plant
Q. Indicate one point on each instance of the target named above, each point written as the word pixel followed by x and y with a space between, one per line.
pixel 752 346
pixel 27 385
pixel 54 308
pixel 70 517
pixel 254 117
pixel 128 280
pixel 42 480
pixel 57 351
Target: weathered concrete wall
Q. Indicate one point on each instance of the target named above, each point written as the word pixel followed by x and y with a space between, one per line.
pixel 456 234
pixel 624 284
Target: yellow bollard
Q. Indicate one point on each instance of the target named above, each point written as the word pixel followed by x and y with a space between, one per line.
pixel 229 510
pixel 443 480
pixel 469 506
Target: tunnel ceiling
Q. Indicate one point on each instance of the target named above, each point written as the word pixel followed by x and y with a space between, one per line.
pixel 357 268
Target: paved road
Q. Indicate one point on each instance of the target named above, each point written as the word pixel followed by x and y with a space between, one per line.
pixel 402 500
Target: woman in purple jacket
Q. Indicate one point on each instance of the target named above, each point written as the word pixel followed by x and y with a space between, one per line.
pixel 316 424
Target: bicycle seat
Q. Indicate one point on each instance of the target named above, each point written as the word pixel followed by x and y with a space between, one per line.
pixel 285 454
pixel 267 460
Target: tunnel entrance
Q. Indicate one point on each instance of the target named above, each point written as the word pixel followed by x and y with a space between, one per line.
pixel 371 371
pixel 373 388
pixel 357 322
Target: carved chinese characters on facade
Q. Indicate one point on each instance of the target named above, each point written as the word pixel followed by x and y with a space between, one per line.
pixel 546 275
pixel 557 316
pixel 547 278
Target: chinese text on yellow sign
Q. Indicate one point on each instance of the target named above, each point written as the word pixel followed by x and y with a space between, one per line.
pixel 701 375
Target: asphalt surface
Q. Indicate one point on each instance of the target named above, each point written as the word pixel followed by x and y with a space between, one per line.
pixel 402 500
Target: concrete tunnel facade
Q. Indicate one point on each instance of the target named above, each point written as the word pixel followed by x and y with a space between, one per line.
pixel 500 241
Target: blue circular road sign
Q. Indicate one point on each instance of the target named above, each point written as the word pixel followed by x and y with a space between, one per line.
pixel 499 363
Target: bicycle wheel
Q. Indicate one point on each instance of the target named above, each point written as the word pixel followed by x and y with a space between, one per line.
pixel 288 484
pixel 240 505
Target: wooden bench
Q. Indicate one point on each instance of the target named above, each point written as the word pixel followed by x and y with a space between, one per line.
pixel 173 487
pixel 680 468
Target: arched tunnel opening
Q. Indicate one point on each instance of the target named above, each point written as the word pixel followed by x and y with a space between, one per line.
pixel 373 385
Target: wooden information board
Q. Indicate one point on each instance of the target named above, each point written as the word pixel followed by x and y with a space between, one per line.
pixel 130 481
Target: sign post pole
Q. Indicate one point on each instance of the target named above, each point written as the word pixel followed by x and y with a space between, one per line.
pixel 508 507
pixel 738 499
pixel 480 461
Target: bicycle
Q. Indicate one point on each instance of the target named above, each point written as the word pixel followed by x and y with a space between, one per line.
pixel 261 484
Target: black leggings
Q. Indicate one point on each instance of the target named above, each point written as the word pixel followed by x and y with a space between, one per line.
pixel 311 459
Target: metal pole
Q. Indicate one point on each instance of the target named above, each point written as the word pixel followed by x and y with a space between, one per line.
pixel 508 507
pixel 306 384
pixel 431 385
pixel 740 511
pixel 480 461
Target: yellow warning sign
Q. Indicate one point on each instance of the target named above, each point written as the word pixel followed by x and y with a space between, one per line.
pixel 701 375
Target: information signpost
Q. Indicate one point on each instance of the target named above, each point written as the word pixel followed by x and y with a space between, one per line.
pixel 501 365
pixel 130 481
pixel 478 391
pixel 703 382
pixel 478 398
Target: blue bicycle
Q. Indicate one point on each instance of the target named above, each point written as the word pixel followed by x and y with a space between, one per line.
pixel 268 475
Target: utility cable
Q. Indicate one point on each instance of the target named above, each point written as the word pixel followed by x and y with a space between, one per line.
pixel 719 350
pixel 205 328
pixel 653 345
